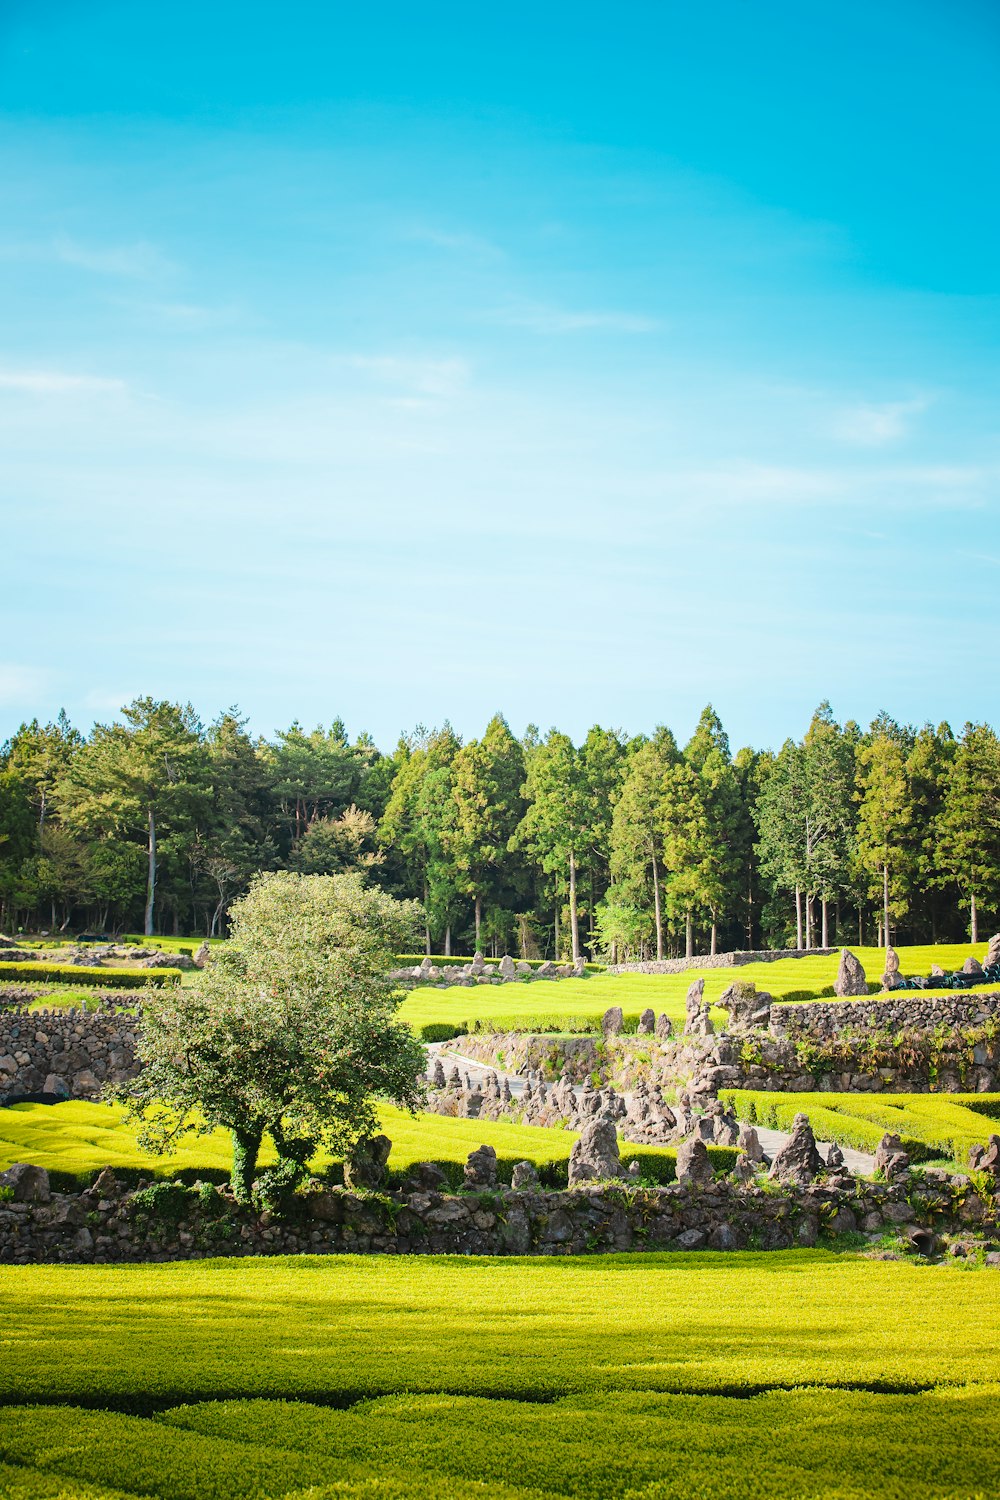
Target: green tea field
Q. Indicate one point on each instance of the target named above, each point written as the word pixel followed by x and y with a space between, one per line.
pixel 930 1125
pixel 662 1376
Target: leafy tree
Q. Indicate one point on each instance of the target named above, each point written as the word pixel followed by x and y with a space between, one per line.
pixel 415 820
pixel 603 759
pixel 149 773
pixel 485 807
pixel 829 774
pixel 555 825
pixel 685 831
pixel 313 774
pixel 927 771
pixel 718 861
pixel 780 816
pixel 41 755
pixel 292 1032
pixel 17 842
pixel 885 816
pixel 968 846
pixel 330 846
pixel 637 843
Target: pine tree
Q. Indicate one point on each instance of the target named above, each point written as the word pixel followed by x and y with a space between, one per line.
pixel 969 826
pixel 485 807
pixel 885 816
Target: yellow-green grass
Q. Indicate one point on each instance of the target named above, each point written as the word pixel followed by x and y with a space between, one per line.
pixel 930 1125
pixel 799 1445
pixel 331 1328
pixel 74 1140
pixel 398 1377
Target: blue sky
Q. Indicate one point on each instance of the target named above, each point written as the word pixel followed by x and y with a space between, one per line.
pixel 409 362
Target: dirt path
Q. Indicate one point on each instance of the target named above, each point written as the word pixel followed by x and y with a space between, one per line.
pixel 858 1162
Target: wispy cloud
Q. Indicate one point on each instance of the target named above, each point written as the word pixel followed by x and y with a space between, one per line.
pixel 457 241
pixel 22 684
pixel 58 383
pixel 418 377
pixel 541 317
pixel 141 260
pixel 877 425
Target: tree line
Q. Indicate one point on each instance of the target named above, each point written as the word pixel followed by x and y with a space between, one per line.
pixel 618 847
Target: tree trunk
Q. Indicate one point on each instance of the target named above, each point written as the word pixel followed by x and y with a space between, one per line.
pixel 479 918
pixel 447 941
pixel 885 903
pixel 798 917
pixel 246 1149
pixel 973 918
pixel 861 926
pixel 657 907
pixel 810 925
pixel 427 928
pixel 688 936
pixel 824 940
pixel 151 877
pixel 574 921
pixel 712 948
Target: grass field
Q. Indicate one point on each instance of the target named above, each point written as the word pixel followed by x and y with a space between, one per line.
pixel 591 997
pixel 931 1125
pixel 74 1140
pixel 380 1377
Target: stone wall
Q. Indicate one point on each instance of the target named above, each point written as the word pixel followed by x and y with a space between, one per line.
pixel 66 1052
pixel 109 1224
pixel 823 1020
pixel 717 960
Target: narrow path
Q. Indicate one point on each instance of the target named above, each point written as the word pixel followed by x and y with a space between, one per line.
pixel 858 1162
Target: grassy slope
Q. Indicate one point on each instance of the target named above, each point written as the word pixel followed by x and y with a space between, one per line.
pixel 80 1138
pixel 931 1124
pixel 663 992
pixel 327 1327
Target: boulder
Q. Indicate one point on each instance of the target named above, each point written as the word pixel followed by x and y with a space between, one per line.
pixel 85 1084
pixel 56 1086
pixel 694 1164
pixel 595 1156
pixel 507 969
pixel 547 970
pixel 524 1177
pixel 202 955
pixel 647 1024
pixel 851 980
pixel 664 1028
pixel 992 951
pixel 612 1022
pixel 936 971
pixel 890 1157
pixel 799 1160
pixel 481 1168
pixel 365 1165
pixel 697 1021
pixel 427 1177
pixel 478 965
pixel 522 966
pixel 834 1158
pixel 748 1010
pixel 972 966
pixel 30 1184
pixel 891 976
pixel 745 1170
pixel 749 1144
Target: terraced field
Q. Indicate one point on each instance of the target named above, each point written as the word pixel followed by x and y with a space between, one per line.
pixel 74 1140
pixel 511 1006
pixel 513 1378
pixel 931 1125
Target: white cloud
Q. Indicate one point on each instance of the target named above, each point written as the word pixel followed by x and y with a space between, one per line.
pixel 541 317
pixel 21 684
pixel 58 383
pixel 417 377
pixel 875 425
pixel 140 260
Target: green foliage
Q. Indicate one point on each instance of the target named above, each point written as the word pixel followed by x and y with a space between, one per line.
pixel 166 1201
pixel 291 1033
pixel 930 1125
pixel 85 974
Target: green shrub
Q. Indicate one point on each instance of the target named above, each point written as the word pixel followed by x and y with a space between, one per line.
pixel 166 1201
pixel 84 975
pixel 439 1031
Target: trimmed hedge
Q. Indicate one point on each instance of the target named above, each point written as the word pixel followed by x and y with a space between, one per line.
pixel 85 976
pixel 452 962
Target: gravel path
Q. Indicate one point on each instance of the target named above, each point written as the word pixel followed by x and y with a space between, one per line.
pixel 858 1162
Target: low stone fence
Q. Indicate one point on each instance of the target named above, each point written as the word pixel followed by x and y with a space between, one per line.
pixel 717 960
pixel 66 1052
pixel 823 1020
pixel 108 1224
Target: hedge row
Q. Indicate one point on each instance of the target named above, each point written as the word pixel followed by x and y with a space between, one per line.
pixel 450 961
pixel 83 975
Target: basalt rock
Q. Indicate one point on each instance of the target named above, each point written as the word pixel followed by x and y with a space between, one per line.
pixel 748 1010
pixel 612 1022
pixel 694 1164
pixel 481 1168
pixel 891 976
pixel 524 1176
pixel 29 1184
pixel 992 951
pixel 365 1165
pixel 647 1023
pixel 851 980
pixel 799 1160
pixel 890 1156
pixel 595 1156
pixel 698 1021
pixel 664 1028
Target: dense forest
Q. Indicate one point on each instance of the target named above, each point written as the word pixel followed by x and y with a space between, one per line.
pixel 615 847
